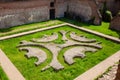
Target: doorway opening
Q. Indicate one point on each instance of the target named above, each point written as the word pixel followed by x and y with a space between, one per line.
pixel 52 13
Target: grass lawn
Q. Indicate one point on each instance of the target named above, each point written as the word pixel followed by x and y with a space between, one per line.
pixel 104 28
pixel 28 27
pixel 2 75
pixel 31 72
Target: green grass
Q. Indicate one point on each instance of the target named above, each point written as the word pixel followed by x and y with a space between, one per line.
pixel 31 72
pixel 104 28
pixel 28 27
pixel 2 75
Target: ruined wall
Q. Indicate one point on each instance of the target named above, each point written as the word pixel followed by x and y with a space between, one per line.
pixel 86 10
pixel 115 23
pixel 5 0
pixel 18 13
pixel 24 17
pixel 61 8
pixel 80 8
pixel 113 6
pixel 28 11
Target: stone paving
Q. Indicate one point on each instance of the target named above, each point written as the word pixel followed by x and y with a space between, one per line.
pixel 47 38
pixel 89 45
pixel 81 38
pixel 70 54
pixel 35 52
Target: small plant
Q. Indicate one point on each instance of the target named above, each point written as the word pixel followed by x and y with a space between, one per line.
pixel 108 16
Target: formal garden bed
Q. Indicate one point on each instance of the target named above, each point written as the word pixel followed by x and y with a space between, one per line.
pixel 31 72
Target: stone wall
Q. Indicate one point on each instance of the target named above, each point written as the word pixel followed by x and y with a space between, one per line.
pixel 18 13
pixel 24 17
pixel 86 10
pixel 115 23
pixel 80 9
pixel 113 6
pixel 61 8
pixel 5 0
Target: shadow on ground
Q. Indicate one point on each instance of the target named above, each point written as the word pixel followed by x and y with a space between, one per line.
pixel 76 22
pixel 118 34
pixel 5 30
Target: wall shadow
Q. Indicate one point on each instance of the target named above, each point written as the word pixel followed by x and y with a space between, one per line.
pixel 74 21
pixel 118 34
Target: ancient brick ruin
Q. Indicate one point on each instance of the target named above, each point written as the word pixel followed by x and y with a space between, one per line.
pixel 115 23
pixel 18 12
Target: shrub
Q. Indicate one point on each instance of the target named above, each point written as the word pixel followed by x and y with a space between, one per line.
pixel 107 16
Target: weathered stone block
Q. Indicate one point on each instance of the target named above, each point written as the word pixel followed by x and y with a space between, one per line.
pixel 115 23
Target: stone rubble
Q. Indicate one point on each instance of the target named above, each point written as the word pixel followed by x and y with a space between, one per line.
pixel 111 74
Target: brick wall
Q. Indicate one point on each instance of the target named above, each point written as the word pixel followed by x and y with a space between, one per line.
pixel 22 12
pixel 85 9
pixel 80 8
pixel 18 13
pixel 61 8
pixel 113 6
pixel 24 16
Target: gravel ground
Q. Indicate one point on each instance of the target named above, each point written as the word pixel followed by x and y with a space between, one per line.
pixel 110 75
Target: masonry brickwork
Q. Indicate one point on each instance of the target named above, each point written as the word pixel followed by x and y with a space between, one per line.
pixel 18 12
pixel 23 12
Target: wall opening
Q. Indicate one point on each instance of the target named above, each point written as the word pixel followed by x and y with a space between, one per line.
pixel 52 4
pixel 52 13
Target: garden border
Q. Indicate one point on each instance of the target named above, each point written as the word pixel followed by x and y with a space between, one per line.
pixel 98 69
